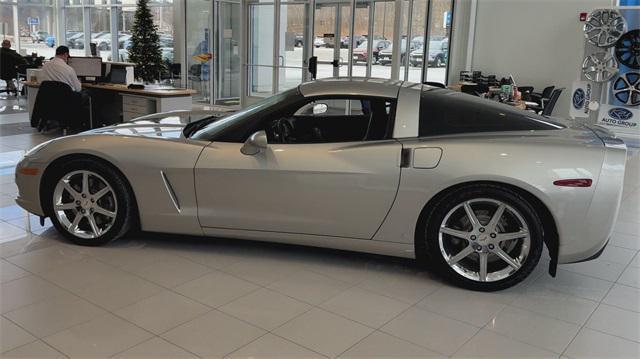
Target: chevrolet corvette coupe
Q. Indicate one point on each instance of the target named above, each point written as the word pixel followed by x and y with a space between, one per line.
pixel 472 187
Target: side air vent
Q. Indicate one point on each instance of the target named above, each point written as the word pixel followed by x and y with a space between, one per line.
pixel 170 191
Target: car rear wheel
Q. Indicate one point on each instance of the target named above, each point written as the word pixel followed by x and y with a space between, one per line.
pixel 90 203
pixel 484 237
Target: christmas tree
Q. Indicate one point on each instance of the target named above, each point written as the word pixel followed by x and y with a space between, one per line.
pixel 145 44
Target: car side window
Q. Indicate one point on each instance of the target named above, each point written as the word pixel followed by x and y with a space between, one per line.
pixel 332 107
pixel 329 120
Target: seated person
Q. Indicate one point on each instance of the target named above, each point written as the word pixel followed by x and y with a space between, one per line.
pixel 9 61
pixel 58 70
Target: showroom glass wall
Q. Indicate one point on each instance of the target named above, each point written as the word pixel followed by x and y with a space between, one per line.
pixel 41 25
pixel 28 24
pixel 232 49
pixel 108 22
pixel 343 38
pixel 212 53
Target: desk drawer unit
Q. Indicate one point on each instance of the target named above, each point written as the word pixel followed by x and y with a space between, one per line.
pixel 135 106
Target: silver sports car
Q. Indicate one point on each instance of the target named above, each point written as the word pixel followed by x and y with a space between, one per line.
pixel 472 187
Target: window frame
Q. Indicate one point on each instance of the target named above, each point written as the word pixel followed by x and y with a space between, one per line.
pixel 293 108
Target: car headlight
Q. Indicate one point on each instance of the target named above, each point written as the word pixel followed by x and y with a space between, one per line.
pixel 37 148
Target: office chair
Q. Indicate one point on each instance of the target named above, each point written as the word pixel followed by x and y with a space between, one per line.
pixel 551 103
pixel 57 105
pixel 546 93
pixel 9 73
pixel 546 108
pixel 435 84
pixel 469 89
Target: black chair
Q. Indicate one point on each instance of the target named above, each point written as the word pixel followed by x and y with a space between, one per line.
pixel 546 108
pixel 469 89
pixel 551 103
pixel 9 62
pixel 546 94
pixel 57 105
pixel 435 84
pixel 482 89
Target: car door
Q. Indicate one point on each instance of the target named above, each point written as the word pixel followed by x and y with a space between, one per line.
pixel 342 189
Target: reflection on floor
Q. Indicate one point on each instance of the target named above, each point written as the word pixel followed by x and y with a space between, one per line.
pixel 170 296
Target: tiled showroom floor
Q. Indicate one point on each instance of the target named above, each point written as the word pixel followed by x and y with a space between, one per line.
pixel 168 296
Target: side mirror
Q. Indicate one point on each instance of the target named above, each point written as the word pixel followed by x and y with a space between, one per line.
pixel 254 144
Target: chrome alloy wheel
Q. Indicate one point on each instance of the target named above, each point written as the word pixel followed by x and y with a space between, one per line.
pixel 484 240
pixel 604 27
pixel 85 204
pixel 599 67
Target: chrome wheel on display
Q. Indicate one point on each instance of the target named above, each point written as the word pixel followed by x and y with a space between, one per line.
pixel 604 27
pixel 85 204
pixel 484 240
pixel 628 49
pixel 626 89
pixel 599 67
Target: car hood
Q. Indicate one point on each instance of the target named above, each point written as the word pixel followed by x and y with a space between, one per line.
pixel 169 125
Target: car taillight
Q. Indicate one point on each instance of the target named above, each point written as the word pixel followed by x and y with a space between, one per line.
pixel 575 182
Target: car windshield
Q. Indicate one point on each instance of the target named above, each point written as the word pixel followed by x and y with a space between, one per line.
pixel 215 127
pixel 363 45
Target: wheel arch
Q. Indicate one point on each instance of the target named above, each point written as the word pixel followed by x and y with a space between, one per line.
pixel 46 183
pixel 550 229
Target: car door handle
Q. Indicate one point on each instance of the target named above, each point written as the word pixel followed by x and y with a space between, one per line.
pixel 405 158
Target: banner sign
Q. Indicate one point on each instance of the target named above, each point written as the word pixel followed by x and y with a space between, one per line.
pixel 580 99
pixel 620 119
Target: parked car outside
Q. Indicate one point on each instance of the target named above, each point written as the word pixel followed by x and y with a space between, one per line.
pixel 360 53
pixel 76 40
pixel 386 54
pixel 438 54
pixel 39 36
pixel 344 41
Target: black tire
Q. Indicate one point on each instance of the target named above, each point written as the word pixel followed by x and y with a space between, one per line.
pixel 427 244
pixel 126 208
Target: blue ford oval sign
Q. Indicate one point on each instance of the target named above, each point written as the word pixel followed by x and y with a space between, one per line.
pixel 578 98
pixel 621 114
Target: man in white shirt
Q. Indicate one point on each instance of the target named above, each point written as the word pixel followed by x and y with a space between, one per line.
pixel 58 70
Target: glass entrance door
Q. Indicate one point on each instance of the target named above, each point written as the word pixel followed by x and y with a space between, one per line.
pixel 293 49
pixel 331 41
pixel 199 56
pixel 227 54
pixel 278 47
pixel 373 31
pixel 261 50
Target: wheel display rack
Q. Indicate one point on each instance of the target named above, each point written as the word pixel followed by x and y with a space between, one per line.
pixel 607 91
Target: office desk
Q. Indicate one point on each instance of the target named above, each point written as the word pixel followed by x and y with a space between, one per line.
pixel 111 103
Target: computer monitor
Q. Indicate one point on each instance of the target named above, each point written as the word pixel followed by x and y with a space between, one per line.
pixel 118 75
pixel 86 66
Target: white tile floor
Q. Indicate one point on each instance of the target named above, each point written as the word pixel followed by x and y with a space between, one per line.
pixel 168 296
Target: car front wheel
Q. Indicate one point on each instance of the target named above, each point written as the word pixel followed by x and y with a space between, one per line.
pixel 90 203
pixel 484 237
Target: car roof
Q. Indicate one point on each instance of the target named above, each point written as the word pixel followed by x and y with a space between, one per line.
pixel 353 86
